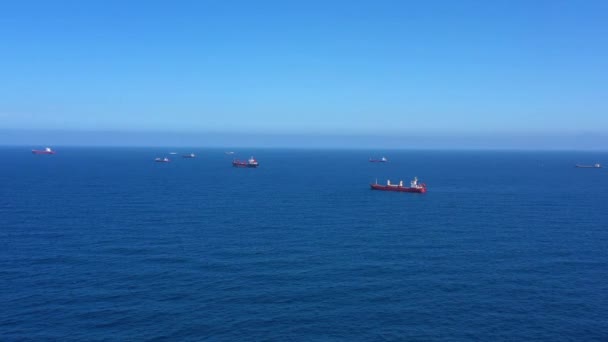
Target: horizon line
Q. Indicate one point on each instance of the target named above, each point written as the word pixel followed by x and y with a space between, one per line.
pixel 405 141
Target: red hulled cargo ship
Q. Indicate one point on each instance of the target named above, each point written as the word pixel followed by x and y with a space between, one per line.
pixel 414 186
pixel 249 163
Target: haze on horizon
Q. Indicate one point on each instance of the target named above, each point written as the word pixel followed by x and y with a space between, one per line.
pixel 364 73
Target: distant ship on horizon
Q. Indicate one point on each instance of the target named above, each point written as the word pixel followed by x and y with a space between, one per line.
pixel 594 166
pixel 47 150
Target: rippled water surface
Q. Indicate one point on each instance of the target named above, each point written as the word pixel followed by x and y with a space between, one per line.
pixel 105 244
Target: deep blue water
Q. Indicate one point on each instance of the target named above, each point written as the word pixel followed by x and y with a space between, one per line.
pixel 105 244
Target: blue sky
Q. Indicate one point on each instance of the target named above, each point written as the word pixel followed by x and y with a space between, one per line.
pixel 374 68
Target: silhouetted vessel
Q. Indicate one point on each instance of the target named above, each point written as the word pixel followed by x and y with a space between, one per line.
pixel 414 186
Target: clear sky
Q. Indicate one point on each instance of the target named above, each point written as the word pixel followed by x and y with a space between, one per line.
pixel 392 68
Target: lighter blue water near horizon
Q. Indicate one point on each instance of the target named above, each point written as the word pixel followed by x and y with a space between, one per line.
pixel 104 244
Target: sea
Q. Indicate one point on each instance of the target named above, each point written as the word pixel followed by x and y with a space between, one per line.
pixel 104 244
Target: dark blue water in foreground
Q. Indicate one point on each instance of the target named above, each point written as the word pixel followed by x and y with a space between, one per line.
pixel 105 244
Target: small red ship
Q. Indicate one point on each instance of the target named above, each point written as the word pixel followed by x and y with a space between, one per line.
pixel 414 186
pixel 249 163
pixel 45 151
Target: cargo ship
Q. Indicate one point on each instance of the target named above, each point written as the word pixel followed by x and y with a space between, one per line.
pixel 191 155
pixel 594 166
pixel 45 151
pixel 381 160
pixel 162 160
pixel 249 163
pixel 414 186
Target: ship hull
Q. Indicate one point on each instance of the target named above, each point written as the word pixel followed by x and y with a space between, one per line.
pixel 397 188
pixel 245 165
pixel 42 152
